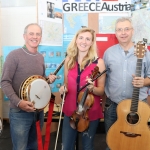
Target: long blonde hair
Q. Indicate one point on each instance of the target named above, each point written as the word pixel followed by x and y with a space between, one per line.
pixel 72 50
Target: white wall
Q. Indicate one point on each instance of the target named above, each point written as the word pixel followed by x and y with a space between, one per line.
pixel 14 20
pixel 16 3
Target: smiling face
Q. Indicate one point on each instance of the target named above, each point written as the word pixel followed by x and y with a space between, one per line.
pixel 32 37
pixel 124 32
pixel 84 41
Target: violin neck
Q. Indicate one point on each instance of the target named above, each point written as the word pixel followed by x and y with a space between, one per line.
pixel 80 105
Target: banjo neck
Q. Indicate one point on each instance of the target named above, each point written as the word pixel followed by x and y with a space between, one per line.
pixel 56 71
pixel 59 67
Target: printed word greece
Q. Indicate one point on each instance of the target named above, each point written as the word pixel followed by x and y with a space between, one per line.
pixel 96 7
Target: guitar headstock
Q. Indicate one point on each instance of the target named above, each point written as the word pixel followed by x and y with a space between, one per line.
pixel 140 49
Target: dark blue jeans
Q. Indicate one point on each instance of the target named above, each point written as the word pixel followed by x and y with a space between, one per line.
pixel 69 135
pixel 23 129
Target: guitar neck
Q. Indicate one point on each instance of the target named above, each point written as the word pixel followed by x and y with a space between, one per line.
pixel 136 90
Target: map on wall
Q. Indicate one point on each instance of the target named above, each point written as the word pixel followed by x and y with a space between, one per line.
pixel 74 21
pixel 139 4
pixel 50 19
pixel 107 24
pixel 107 21
pixel 51 33
pixel 141 23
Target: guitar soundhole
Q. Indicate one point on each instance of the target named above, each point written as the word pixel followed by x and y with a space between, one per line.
pixel 132 118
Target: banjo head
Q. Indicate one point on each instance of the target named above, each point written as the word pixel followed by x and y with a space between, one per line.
pixel 36 90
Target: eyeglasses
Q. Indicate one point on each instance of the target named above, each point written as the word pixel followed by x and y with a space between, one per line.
pixel 127 29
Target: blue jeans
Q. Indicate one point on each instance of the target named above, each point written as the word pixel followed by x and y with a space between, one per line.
pixel 69 135
pixel 23 129
pixel 110 115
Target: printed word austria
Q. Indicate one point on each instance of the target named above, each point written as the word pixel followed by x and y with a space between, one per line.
pixel 102 6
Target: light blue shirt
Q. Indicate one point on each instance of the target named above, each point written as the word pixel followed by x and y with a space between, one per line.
pixel 120 68
pixel 149 92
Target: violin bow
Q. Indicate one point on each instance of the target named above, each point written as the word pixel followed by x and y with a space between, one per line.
pixel 63 98
pixel 100 74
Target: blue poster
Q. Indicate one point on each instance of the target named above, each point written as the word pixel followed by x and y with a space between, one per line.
pixel 53 57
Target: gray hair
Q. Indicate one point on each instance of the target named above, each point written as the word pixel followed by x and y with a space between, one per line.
pixel 122 19
pixel 26 28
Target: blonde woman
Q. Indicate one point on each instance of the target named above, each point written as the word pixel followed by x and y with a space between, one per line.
pixel 81 60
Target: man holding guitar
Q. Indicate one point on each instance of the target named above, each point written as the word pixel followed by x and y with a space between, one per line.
pixel 19 65
pixel 121 79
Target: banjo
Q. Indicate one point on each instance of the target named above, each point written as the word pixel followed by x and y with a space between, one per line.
pixel 37 90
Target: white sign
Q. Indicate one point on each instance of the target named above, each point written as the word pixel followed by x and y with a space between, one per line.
pixel 93 6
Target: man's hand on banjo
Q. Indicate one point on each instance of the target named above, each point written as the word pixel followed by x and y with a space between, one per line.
pixel 26 106
pixel 52 78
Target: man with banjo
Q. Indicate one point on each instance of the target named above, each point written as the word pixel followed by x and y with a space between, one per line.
pixel 23 82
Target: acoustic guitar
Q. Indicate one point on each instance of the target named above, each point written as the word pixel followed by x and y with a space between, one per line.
pixel 131 131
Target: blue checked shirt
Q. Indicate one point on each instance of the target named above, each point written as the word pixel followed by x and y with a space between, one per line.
pixel 121 67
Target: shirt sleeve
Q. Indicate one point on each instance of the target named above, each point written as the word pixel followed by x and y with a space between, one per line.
pixel 8 72
pixel 147 73
pixel 149 91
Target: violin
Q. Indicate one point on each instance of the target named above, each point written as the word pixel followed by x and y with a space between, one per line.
pixel 79 119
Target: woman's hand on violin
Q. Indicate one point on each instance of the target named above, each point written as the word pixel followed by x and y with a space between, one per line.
pixel 91 85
